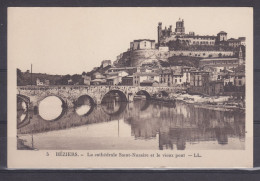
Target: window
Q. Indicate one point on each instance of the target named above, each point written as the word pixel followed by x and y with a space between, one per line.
pixel 240 82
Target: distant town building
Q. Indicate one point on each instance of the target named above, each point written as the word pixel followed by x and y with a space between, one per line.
pixel 222 36
pixel 242 40
pixel 39 82
pixel 163 48
pixel 98 82
pixel 175 76
pixel 128 80
pixel 220 63
pixel 70 82
pixel 214 88
pixel 198 82
pixel 145 79
pixel 142 44
pixel 232 42
pixel 129 70
pixel 115 78
pixel 86 79
pixel 46 82
pixel 105 63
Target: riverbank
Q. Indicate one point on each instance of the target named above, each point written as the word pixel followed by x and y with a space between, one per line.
pixel 210 102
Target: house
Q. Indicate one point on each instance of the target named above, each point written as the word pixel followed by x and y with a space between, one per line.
pixel 115 80
pixel 219 63
pixel 176 76
pixel 146 79
pixel 39 82
pixel 98 82
pixel 128 80
pixel 215 88
pixel 86 79
pixel 46 82
pixel 70 82
pixel 97 75
pixel 105 63
pixel 142 44
pixel 129 70
pixel 198 82
pixel 239 79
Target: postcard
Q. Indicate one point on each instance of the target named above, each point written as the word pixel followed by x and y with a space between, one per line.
pixel 130 87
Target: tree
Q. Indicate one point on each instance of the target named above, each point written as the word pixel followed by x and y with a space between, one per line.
pixel 20 78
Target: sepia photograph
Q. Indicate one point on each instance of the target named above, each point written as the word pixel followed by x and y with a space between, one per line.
pixel 147 79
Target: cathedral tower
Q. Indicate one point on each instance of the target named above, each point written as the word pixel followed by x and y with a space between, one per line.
pixel 159 30
pixel 180 27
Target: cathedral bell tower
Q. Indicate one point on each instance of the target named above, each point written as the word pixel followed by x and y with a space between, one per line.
pixel 180 27
pixel 159 30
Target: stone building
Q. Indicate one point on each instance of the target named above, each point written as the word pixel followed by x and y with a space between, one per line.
pixel 215 88
pixel 105 63
pixel 142 44
pixel 115 78
pixel 222 63
pixel 177 76
pixel 219 63
pixel 145 79
pixel 232 42
pixel 222 36
pixel 86 79
pixel 198 82
pixel 128 80
pixel 180 29
pixel 39 82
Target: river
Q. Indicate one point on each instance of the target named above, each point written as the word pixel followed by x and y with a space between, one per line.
pixel 138 125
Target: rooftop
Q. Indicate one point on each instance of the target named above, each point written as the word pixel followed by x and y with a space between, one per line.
pixel 139 40
pixel 222 32
pixel 146 73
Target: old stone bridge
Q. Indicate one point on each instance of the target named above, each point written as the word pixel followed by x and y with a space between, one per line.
pixel 33 95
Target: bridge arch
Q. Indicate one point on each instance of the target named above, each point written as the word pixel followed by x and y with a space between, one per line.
pixel 164 93
pixel 143 92
pixel 121 109
pixel 63 100
pixel 122 95
pixel 64 106
pixel 82 100
pixel 22 110
pixel 24 98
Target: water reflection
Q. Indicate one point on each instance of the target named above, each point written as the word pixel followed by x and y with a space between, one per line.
pixel 139 125
pixel 84 105
pixel 50 108
pixel 113 104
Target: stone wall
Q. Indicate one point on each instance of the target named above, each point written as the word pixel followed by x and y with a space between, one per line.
pixel 139 57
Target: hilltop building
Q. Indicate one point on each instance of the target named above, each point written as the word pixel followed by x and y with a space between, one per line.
pixel 142 44
pixel 105 63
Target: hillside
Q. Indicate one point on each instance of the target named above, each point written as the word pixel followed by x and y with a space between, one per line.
pixel 181 61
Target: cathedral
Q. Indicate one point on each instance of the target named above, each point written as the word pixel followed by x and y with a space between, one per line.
pixel 167 34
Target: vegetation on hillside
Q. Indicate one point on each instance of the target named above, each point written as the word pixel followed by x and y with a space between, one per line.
pixel 181 61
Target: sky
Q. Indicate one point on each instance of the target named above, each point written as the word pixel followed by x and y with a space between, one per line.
pixel 72 40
